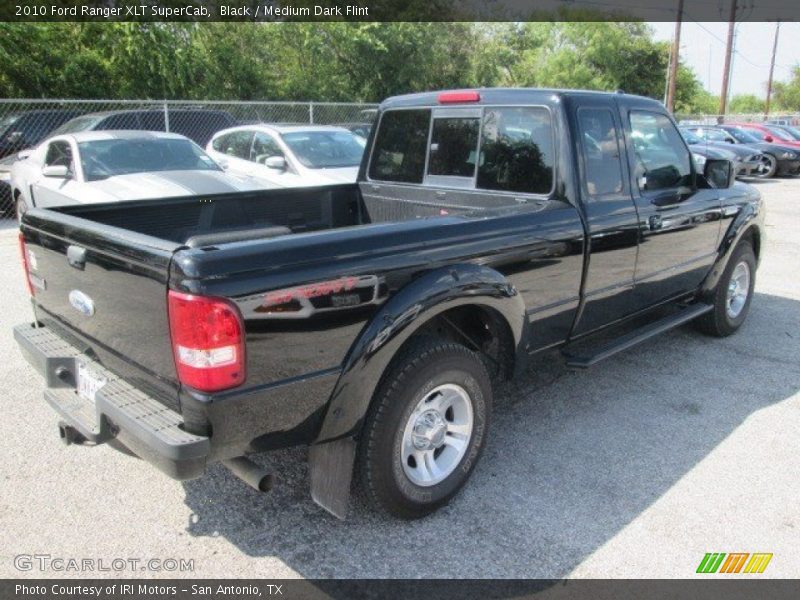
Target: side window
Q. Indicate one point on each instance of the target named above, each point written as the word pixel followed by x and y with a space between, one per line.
pixel 120 121
pixel 59 154
pixel 516 153
pixel 235 143
pixel 264 147
pixel 154 121
pixel 454 143
pixel 662 159
pixel 399 148
pixel 601 155
pixel 716 135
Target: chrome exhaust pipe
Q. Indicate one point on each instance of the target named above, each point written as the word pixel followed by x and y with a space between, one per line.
pixel 249 472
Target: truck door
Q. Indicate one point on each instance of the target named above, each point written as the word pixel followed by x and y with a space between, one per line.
pixel 678 222
pixel 610 213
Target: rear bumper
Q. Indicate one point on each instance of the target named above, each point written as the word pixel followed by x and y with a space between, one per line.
pixel 119 410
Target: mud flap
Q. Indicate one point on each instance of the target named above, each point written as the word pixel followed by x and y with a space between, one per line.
pixel 331 467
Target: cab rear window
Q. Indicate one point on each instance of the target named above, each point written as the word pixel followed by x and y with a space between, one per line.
pixel 507 149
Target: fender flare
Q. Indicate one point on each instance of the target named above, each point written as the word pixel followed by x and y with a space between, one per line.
pixel 333 453
pixel 749 217
pixel 402 316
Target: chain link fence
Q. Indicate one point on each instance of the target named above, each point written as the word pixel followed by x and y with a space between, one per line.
pixel 25 123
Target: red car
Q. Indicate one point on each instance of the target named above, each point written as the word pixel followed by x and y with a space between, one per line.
pixel 769 133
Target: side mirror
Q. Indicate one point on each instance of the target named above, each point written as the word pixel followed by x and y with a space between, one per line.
pixel 56 171
pixel 276 162
pixel 769 138
pixel 14 137
pixel 719 172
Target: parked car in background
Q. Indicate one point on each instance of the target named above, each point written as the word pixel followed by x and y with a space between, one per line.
pixel 792 131
pixel 778 159
pixel 6 203
pixel 360 129
pixel 289 155
pixel 769 133
pixel 198 124
pixel 107 166
pixel 27 128
pixel 746 159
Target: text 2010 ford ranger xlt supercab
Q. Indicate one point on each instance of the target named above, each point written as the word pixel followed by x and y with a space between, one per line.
pixel 370 321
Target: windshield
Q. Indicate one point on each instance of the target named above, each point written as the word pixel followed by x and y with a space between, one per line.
pixel 77 124
pixel 101 159
pixel 794 133
pixel 690 137
pixel 325 149
pixel 778 132
pixel 7 122
pixel 742 136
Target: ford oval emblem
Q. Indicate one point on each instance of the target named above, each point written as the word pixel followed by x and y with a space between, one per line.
pixel 81 302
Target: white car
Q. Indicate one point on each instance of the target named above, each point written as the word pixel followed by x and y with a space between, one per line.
pixel 108 166
pixel 289 155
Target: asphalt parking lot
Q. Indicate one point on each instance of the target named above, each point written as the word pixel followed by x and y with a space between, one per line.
pixel 636 468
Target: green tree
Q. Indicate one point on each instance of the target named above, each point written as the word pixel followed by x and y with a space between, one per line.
pixel 787 94
pixel 746 103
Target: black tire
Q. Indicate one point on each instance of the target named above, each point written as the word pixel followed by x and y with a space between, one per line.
pixel 426 364
pixel 770 165
pixel 719 321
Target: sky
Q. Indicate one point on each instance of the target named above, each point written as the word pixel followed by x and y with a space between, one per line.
pixel 703 49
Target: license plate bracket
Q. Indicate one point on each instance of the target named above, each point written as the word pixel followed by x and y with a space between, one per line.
pixel 89 382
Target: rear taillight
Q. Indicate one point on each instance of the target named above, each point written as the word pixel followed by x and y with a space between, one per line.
pixel 26 265
pixel 207 341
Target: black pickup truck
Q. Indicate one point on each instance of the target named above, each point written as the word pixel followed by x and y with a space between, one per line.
pixel 371 321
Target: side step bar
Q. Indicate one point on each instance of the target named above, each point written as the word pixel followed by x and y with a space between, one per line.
pixel 595 355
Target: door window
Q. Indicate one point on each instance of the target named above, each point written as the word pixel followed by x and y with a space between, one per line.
pixel 516 153
pixel 662 158
pixel 120 121
pixel 59 154
pixel 235 143
pixel 264 147
pixel 601 156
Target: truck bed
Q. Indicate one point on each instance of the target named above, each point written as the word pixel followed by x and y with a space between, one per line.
pixel 199 221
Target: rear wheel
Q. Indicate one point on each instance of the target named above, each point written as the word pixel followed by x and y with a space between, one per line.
pixel 732 295
pixel 426 429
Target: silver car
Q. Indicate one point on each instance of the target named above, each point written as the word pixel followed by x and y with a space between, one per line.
pixel 289 155
pixel 108 166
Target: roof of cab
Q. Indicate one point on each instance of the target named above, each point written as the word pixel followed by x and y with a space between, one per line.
pixel 508 96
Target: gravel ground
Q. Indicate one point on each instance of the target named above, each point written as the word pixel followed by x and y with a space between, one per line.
pixel 635 468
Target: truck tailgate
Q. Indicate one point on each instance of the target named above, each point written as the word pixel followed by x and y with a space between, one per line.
pixel 107 288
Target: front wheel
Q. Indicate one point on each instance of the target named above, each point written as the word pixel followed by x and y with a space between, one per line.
pixel 426 429
pixel 732 295
pixel 768 166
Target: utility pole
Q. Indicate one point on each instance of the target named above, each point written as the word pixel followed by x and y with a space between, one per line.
pixel 726 73
pixel 674 58
pixel 772 68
